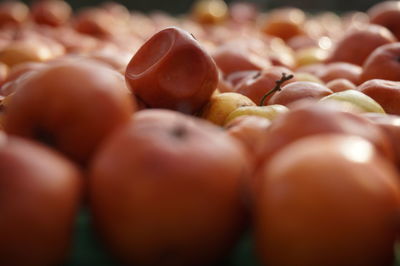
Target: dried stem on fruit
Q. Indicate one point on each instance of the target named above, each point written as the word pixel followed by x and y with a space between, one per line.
pixel 277 87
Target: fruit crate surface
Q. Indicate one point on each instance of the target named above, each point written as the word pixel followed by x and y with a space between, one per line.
pixel 87 250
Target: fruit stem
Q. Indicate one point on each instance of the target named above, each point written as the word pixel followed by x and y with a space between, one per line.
pixel 277 87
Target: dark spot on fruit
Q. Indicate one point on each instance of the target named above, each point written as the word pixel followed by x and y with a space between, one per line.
pixel 257 75
pixel 179 131
pixel 44 137
pixel 140 101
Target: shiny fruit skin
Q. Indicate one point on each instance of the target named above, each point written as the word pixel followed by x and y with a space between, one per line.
pixel 71 106
pixel 151 185
pixel 340 84
pixel 210 11
pixel 231 59
pixel 250 130
pixel 337 70
pixel 269 112
pixel 20 52
pixel 228 83
pixel 284 23
pixel 304 76
pixel 358 43
pixel 299 90
pixel 221 105
pixel 172 71
pixel 13 13
pixel 383 63
pixel 4 73
pixel 387 14
pixel 384 92
pixel 359 99
pixel 310 55
pixel 320 118
pixel 328 200
pixel 51 12
pixel 390 124
pixel 255 87
pixel 96 22
pixel 17 71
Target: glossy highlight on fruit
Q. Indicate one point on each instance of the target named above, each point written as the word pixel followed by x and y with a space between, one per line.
pixel 327 200
pixel 310 118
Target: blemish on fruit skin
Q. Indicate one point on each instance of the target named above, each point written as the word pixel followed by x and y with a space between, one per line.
pixel 140 100
pixel 179 131
pixel 44 136
pixel 258 74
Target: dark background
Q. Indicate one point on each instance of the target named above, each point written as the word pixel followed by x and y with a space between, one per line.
pixel 182 6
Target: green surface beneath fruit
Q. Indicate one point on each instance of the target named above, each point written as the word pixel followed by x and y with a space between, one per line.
pixel 87 250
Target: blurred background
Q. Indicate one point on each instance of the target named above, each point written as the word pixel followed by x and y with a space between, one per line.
pixel 182 6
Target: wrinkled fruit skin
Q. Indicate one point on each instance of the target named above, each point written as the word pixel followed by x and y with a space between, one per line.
pixel 172 71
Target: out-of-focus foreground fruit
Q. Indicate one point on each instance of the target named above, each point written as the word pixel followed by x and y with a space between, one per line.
pixel 327 200
pixel 40 196
pixel 70 105
pixel 166 189
pixel 237 91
